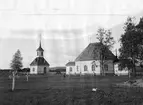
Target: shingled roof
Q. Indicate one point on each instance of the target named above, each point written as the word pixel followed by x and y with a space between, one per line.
pixel 92 52
pixel 39 61
pixel 70 64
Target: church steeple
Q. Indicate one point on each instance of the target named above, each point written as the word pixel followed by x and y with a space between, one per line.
pixel 40 49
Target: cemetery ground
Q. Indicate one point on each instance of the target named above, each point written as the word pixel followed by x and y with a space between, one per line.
pixel 72 90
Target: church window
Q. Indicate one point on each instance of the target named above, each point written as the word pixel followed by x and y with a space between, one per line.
pixel 93 67
pixel 85 68
pixel 33 69
pixel 106 67
pixel 70 69
pixel 77 68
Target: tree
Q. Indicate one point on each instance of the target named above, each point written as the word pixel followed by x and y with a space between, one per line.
pixel 131 42
pixel 140 24
pixel 104 37
pixel 107 42
pixel 15 64
pixel 139 28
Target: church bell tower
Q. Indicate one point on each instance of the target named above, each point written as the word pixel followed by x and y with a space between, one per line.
pixel 40 51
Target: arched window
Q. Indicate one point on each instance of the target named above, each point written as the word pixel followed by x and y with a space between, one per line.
pixel 93 67
pixel 77 68
pixel 33 69
pixel 106 67
pixel 85 68
pixel 70 69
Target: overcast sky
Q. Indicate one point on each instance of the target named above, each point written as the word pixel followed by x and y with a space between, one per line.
pixel 67 26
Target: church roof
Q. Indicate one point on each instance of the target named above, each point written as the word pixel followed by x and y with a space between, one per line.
pixel 39 61
pixel 92 52
pixel 116 60
pixel 70 64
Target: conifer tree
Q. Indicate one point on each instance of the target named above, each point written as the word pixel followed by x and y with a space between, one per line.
pixel 15 64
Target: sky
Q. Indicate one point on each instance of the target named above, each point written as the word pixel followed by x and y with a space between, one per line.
pixel 67 26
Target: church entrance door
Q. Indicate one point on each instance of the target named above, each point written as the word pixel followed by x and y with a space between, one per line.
pixel 45 70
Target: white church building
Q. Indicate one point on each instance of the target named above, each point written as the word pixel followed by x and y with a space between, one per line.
pixel 39 65
pixel 88 62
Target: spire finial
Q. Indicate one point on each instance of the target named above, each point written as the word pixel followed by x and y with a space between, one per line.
pixel 40 39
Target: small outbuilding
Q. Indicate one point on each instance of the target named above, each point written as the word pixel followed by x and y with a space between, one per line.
pixel 70 68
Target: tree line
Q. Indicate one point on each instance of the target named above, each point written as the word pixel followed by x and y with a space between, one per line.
pixel 132 44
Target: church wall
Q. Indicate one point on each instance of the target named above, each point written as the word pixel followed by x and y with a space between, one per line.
pixel 110 66
pixel 68 72
pixel 33 69
pixel 41 69
pixel 79 67
pixel 89 64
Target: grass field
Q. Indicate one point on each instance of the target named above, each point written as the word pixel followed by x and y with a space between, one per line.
pixel 72 90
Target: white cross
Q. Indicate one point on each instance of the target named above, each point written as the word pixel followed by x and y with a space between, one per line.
pixel 27 75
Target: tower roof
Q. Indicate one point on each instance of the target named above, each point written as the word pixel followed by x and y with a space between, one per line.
pixel 40 48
